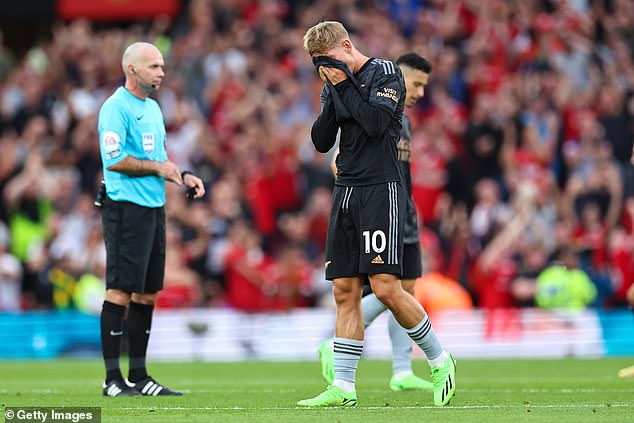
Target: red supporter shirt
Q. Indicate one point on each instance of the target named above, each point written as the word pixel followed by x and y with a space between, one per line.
pixel 493 287
pixel 243 292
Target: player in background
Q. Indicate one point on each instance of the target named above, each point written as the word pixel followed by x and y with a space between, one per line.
pixel 364 98
pixel 416 70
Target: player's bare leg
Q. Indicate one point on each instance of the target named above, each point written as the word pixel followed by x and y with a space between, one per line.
pixel 348 345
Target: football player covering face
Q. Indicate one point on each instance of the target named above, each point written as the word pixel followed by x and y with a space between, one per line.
pixel 364 237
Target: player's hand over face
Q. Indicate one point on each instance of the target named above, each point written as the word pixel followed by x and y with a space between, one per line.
pixel 193 181
pixel 334 75
pixel 171 172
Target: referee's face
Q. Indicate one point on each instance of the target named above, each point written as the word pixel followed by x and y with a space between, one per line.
pixel 151 70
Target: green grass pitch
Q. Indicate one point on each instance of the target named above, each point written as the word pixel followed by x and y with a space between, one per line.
pixel 570 390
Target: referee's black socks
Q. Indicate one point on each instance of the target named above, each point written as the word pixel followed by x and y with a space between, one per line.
pixel 111 334
pixel 139 325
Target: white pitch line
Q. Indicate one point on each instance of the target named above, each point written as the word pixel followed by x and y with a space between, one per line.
pixel 493 390
pixel 286 391
pixel 553 391
pixel 30 391
pixel 429 407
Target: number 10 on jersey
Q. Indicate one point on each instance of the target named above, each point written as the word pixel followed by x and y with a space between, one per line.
pixel 378 241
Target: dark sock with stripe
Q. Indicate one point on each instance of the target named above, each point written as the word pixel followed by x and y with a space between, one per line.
pixel 139 325
pixel 111 331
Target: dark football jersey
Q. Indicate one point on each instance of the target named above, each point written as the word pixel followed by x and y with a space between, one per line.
pixel 367 150
pixel 410 234
pixel 404 153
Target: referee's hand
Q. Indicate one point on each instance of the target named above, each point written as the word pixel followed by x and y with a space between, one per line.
pixel 195 185
pixel 170 172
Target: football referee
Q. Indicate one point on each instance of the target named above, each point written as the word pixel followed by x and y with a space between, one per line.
pixel 135 166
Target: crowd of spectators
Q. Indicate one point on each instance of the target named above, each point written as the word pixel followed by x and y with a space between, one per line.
pixel 520 162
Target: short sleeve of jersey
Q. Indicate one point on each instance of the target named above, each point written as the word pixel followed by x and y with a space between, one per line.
pixel 112 133
pixel 387 87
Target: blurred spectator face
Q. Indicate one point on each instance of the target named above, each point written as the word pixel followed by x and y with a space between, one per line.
pixel 610 100
pixel 292 256
pixel 484 145
pixel 538 105
pixel 549 82
pixel 603 152
pixel 570 259
pixel 238 232
pixel 224 198
pixel 591 213
pixel 319 202
pixel 535 258
pixel 253 243
pixel 447 63
pixel 201 15
pixel 33 90
pixel 483 105
pixel 563 232
pixel 36 128
pixel 294 227
pixel 588 125
pixel 487 192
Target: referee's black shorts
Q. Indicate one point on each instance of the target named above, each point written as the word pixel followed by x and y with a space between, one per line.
pixel 365 230
pixel 135 246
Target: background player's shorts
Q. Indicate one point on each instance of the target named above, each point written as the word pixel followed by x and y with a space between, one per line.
pixel 135 246
pixel 412 265
pixel 365 230
pixel 410 230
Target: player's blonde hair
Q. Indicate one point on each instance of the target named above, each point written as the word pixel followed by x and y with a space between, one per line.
pixel 324 36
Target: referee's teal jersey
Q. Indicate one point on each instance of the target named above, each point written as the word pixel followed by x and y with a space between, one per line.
pixel 129 126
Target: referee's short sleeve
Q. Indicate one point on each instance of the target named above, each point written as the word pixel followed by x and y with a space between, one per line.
pixel 112 133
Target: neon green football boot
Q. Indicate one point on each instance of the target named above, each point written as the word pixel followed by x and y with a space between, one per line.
pixel 444 379
pixel 626 372
pixel 410 383
pixel 327 358
pixel 333 396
